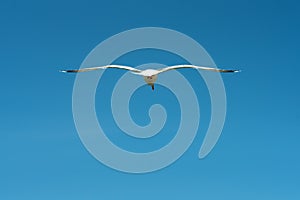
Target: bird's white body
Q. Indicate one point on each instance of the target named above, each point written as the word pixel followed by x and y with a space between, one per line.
pixel 149 75
pixel 148 72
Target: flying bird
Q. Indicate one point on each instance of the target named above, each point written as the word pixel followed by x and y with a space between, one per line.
pixel 149 75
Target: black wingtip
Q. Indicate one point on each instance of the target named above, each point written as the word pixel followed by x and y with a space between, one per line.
pixel 231 71
pixel 68 71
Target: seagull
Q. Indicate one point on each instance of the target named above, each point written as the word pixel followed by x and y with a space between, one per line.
pixel 149 75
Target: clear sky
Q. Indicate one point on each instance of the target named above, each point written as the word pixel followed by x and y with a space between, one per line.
pixel 257 156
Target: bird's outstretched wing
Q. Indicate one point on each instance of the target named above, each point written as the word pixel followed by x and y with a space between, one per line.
pixel 197 67
pixel 102 67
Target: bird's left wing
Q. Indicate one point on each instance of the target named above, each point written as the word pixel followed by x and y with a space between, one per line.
pixel 197 67
pixel 102 67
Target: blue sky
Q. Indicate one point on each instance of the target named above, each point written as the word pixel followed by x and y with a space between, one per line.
pixel 257 156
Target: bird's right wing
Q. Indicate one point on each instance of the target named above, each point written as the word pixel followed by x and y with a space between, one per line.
pixel 197 67
pixel 102 67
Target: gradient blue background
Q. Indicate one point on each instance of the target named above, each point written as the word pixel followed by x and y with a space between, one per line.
pixel 257 156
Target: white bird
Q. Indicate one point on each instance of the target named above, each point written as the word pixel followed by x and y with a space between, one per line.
pixel 150 75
